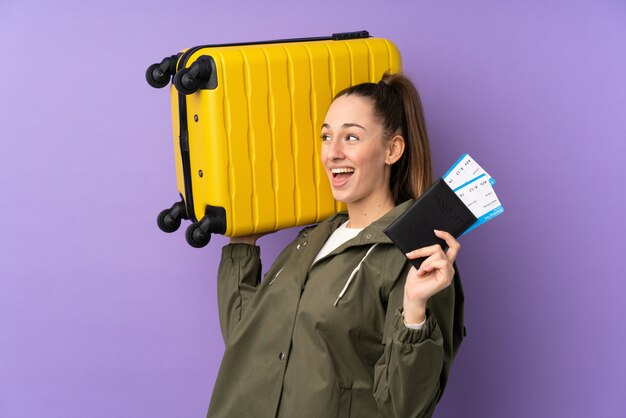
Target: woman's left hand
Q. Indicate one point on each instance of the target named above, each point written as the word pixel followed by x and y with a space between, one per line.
pixel 435 274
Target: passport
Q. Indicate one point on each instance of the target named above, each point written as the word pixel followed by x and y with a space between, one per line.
pixel 458 202
pixel 437 208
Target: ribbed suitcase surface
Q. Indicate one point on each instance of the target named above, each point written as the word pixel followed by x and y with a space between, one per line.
pixel 248 141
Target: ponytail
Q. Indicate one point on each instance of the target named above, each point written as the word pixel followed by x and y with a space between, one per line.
pixel 398 107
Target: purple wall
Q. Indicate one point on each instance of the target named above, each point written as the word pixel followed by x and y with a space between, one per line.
pixel 103 315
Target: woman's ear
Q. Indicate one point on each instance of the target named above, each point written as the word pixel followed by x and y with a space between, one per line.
pixel 395 149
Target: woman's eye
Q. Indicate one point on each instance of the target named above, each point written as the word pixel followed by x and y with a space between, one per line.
pixel 325 137
pixel 352 138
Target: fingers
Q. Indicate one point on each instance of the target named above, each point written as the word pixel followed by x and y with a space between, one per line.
pixel 450 254
pixel 424 252
pixel 430 265
pixel 248 239
pixel 453 244
pixel 433 276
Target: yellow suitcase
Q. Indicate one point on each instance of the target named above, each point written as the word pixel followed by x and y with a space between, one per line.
pixel 247 120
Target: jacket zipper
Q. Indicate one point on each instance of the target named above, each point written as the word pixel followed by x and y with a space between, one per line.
pixel 276 275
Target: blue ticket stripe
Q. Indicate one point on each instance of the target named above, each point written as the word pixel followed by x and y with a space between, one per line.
pixel 471 181
pixel 455 165
pixel 486 217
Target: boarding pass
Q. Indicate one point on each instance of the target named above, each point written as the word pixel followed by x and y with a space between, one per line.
pixel 474 186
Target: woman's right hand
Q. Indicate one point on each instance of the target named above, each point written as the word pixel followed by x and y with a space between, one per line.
pixel 435 274
pixel 248 239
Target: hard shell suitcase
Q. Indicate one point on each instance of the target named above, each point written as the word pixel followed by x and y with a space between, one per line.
pixel 247 120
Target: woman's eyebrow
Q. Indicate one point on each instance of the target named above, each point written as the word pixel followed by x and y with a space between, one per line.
pixel 346 125
pixel 353 125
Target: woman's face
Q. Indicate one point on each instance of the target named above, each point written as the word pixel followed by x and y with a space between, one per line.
pixel 355 153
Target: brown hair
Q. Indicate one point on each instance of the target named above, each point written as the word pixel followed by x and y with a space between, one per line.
pixel 398 107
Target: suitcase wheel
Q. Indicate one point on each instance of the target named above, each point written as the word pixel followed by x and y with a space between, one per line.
pixel 197 76
pixel 214 221
pixel 169 219
pixel 185 82
pixel 196 237
pixel 167 222
pixel 157 78
pixel 159 75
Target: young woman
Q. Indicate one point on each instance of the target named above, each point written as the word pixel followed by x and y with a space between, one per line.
pixel 343 325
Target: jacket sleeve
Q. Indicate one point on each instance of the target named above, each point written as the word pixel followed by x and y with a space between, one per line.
pixel 238 278
pixel 410 376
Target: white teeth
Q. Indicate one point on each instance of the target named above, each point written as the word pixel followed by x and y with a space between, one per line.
pixel 342 170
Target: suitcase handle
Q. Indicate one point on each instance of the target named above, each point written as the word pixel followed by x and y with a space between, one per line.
pixel 158 75
pixel 200 75
pixel 350 35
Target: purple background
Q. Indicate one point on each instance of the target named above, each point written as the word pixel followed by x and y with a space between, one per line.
pixel 103 315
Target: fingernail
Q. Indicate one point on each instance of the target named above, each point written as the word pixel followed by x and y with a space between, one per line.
pixel 437 231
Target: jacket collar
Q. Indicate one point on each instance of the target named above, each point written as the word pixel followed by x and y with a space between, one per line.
pixel 310 242
pixel 373 233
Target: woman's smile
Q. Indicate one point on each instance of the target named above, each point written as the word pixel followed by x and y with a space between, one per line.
pixel 341 176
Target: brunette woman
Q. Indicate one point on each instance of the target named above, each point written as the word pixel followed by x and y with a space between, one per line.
pixel 342 325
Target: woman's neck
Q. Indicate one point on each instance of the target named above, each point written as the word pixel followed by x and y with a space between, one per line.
pixel 362 214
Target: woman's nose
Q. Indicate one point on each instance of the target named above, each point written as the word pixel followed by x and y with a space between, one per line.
pixel 335 150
